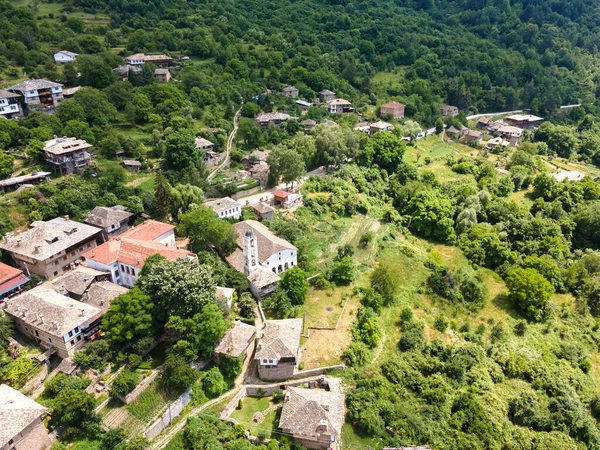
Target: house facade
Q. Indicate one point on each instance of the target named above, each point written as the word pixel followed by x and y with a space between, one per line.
pixel 278 349
pixel 326 95
pixel 339 106
pixel 64 56
pixel 291 91
pixel 448 111
pixel 12 281
pixel 50 248
pixel 225 208
pixel 124 256
pixel 39 93
pixel 264 120
pixel 53 320
pixel 21 422
pixel 162 75
pixel 67 155
pixel 112 220
pixel 141 58
pixel 393 109
pixel 473 136
pixel 9 105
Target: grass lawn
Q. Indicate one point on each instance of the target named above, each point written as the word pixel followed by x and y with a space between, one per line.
pixel 351 439
pixel 250 406
pixel 150 402
pixel 323 307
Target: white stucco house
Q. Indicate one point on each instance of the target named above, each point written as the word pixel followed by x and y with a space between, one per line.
pixel 64 56
pixel 225 208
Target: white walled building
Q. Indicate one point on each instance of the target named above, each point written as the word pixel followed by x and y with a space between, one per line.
pixel 39 93
pixel 124 255
pixel 64 56
pixel 9 104
pixel 262 256
pixel 225 208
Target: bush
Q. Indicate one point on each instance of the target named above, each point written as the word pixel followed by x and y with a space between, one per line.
pixel 441 323
pixel 372 299
pixel 278 396
pixel 520 328
pixel 366 239
pixel 213 383
pixel 96 355
pixel 411 339
pixel 356 354
pixel 386 282
pixel 125 382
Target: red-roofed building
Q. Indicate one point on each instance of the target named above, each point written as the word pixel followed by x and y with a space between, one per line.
pixel 12 281
pixel 287 200
pixel 124 256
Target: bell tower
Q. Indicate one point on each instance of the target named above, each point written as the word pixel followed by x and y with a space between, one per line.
pixel 250 252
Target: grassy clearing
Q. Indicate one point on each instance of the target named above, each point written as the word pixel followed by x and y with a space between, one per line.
pixel 251 406
pixel 351 439
pixel 149 403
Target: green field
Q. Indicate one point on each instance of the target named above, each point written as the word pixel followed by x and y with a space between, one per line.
pixel 250 407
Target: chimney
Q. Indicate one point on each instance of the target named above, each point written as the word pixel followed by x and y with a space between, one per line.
pixel 37 249
pixel 24 312
pixel 82 312
pixel 41 319
pixel 55 323
pixel 55 137
pixel 18 242
pixel 66 217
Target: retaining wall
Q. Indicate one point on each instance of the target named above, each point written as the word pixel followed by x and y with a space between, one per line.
pixel 173 410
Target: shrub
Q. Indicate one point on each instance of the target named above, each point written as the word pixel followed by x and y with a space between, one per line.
pixel 441 323
pixel 278 396
pixel 125 382
pixel 213 383
pixel 411 339
pixel 497 333
pixel 356 354
pixel 520 328
pixel 366 239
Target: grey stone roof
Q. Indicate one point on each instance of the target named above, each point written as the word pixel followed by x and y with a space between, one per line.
pixel 70 91
pixel 6 94
pixel 17 412
pixel 222 204
pixel 268 243
pixel 339 101
pixel 262 277
pixel 102 217
pixel 268 117
pixel 132 163
pixel 46 239
pixel 262 208
pixel 50 311
pixel 236 339
pixel 64 145
pixel 100 294
pixel 280 339
pixel 76 281
pixel 312 412
pixel 161 71
pixel 33 85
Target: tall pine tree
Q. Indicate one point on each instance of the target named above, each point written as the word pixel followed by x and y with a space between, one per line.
pixel 162 197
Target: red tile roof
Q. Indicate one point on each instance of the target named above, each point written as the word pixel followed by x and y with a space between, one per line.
pixel 133 252
pixel 8 272
pixel 281 194
pixel 148 231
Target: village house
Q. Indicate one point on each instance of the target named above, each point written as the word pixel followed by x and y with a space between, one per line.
pixel 394 109
pixel 12 184
pixel 472 136
pixel 53 320
pixel 380 126
pixel 264 120
pixel 68 155
pixel 141 58
pixel 448 111
pixel 124 69
pixel 527 121
pixel 339 106
pixel 511 134
pixel 261 256
pixel 238 340
pixel 263 211
pixel 162 75
pixel 9 105
pixel 287 200
pixel 50 248
pixel 225 208
pixel 482 122
pixel 112 220
pixel 21 422
pixel 455 133
pixel 70 92
pixel 204 144
pixel 278 349
pixel 12 281
pixel 291 91
pixel 132 165
pixel 124 256
pixel 495 142
pixel 64 56
pixel 313 417
pixel 304 104
pixel 326 95
pixel 39 93
pixel 308 124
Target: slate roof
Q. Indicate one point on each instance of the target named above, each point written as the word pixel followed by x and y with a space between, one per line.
pixel 102 293
pixel 50 311
pixel 339 101
pixel 102 216
pixel 280 339
pixel 131 163
pixel 45 239
pixel 202 142
pixel 222 204
pixel 420 447
pixel 70 91
pixel 17 412
pixel 76 281
pixel 61 146
pixel 262 277
pixel 269 117
pixel 393 105
pixel 236 339
pixel 311 412
pixel 33 85
pixel 268 243
pixel 6 94
pixel 161 71
pixel 262 208
pixel 326 92
pixel 381 125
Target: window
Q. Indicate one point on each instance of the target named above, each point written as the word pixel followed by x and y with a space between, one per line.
pixel 50 339
pixel 11 441
pixel 78 338
pixel 122 267
pixel 36 333
pixel 70 333
pixel 76 329
pixel 72 343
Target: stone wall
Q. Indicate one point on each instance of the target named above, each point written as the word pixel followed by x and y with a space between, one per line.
pixel 172 411
pixel 141 387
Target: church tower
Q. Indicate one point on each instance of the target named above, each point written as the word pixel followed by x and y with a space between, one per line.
pixel 250 252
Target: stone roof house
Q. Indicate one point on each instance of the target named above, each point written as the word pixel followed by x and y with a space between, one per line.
pixel 262 256
pixel 264 120
pixel 238 340
pixel 470 136
pixel 339 106
pixel 21 422
pixel 291 91
pixel 67 154
pixel 162 75
pixel 380 126
pixel 326 95
pixel 309 124
pixel 264 211
pixel 53 320
pixel 314 417
pixel 394 109
pixel 225 208
pixel 278 349
pixel 53 247
pixel 112 220
pixel 132 164
pixel 10 107
pixel 38 93
pixel 448 111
